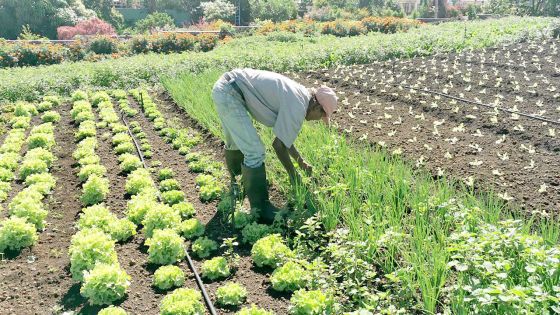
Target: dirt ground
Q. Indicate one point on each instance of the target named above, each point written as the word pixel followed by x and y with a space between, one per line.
pixel 38 281
pixel 516 157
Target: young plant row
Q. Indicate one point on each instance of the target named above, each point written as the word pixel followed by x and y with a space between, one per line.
pixel 209 182
pixel 26 209
pixel 93 258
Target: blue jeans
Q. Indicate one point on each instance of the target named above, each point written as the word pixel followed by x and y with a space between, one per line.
pixel 239 131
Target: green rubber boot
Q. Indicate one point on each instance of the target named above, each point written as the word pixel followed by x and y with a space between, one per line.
pixel 256 188
pixel 234 160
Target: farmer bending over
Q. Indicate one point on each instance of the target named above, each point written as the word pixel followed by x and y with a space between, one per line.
pixel 275 101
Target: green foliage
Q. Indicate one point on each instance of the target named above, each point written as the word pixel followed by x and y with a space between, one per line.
pixel 254 310
pixel 44 183
pixel 215 268
pixel 231 294
pixel 94 190
pixel 91 169
pixel 274 10
pixel 40 154
pixel 41 140
pixel 211 192
pixel 185 209
pixel 165 173
pixel 165 247
pixel 86 129
pixel 105 284
pixel 218 10
pixel 138 181
pixel 203 247
pixel 139 205
pixel 88 248
pixel 6 175
pixel 129 162
pixel 103 45
pixel 51 116
pixel 167 277
pixel 100 217
pixel 29 209
pixel 242 219
pixel 254 231
pixel 127 147
pixel 120 138
pixel 192 228
pixel 16 234
pixel 312 302
pixel 289 277
pixel 173 197
pixel 155 21
pixel 32 166
pixel 44 106
pixel 112 310
pixel 270 251
pixel 53 99
pixel 182 301
pixel 160 217
pixel 79 95
pixel 169 184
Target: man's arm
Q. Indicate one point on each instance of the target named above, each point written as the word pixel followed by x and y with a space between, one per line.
pixel 284 156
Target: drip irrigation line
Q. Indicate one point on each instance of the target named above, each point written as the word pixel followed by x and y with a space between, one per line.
pixel 200 284
pixel 478 103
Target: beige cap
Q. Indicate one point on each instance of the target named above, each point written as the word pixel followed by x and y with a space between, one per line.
pixel 328 100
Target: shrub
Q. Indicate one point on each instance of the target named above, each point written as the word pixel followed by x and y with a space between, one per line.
pixel 16 234
pixel 254 231
pixel 231 294
pixel 192 228
pixel 89 247
pixel 139 205
pixel 254 310
pixel 185 209
pixel 270 251
pixel 140 45
pixel 218 10
pixel 112 310
pixel 289 277
pixel 312 302
pixel 165 247
pixel 173 197
pixel 276 10
pixel 138 181
pixel 155 21
pixel 161 217
pixel 94 190
pixel 129 162
pixel 182 302
pixel 105 284
pixel 50 116
pixel 91 169
pixel 215 268
pixel 167 277
pixel 204 246
pixel 92 26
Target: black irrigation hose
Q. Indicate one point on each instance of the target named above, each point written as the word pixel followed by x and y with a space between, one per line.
pixel 199 282
pixel 478 103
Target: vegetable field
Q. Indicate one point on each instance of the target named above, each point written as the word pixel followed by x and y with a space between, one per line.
pixel 436 191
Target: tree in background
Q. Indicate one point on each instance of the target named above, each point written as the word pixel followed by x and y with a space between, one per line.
pixel 524 7
pixel 106 11
pixel 218 10
pixel 190 6
pixel 42 16
pixel 156 20
pixel 274 10
pixel 93 26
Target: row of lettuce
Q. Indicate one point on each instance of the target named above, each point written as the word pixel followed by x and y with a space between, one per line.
pixel 300 53
pixel 27 210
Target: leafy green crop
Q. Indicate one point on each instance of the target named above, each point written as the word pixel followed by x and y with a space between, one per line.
pixel 160 217
pixel 165 247
pixel 215 268
pixel 94 190
pixel 100 217
pixel 129 162
pixel 139 180
pixel 89 247
pixel 192 228
pixel 185 209
pixel 254 310
pixel 289 277
pixel 169 184
pixel 105 284
pixel 173 197
pixel 312 302
pixel 167 277
pixel 270 251
pixel 231 294
pixel 182 302
pixel 91 169
pixel 51 116
pixel 139 205
pixel 16 234
pixel 112 310
pixel 204 246
pixel 254 231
